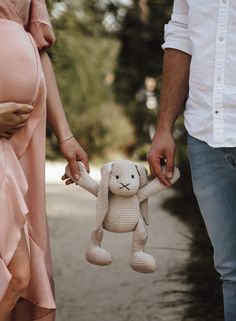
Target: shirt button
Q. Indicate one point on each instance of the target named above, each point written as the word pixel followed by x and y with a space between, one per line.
pixel 216 111
pixel 224 1
pixel 221 38
pixel 219 78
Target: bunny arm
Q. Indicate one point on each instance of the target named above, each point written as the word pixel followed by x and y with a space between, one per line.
pixel 88 183
pixel 155 186
pixel 85 180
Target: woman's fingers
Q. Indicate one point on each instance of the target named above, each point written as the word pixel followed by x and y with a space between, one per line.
pixel 21 118
pixel 85 161
pixel 64 177
pixel 73 152
pixel 74 169
pixel 22 108
pixel 5 135
pixel 69 182
pixel 11 131
pixel 13 116
pixel 22 114
pixel 8 133
pixel 11 107
pixel 21 124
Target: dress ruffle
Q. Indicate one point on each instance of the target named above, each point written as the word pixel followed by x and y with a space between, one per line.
pixel 39 291
pixel 13 208
pixel 39 25
pixel 13 218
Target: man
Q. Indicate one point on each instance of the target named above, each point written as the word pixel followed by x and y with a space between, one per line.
pixel 200 67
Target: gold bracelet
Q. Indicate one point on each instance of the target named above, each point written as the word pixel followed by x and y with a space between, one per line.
pixel 66 139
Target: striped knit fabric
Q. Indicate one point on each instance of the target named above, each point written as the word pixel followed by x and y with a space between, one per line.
pixel 121 207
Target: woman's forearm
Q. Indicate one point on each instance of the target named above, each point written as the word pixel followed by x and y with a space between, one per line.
pixel 70 148
pixel 56 118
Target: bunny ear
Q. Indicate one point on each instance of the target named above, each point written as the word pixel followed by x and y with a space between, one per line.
pixel 103 192
pixel 142 171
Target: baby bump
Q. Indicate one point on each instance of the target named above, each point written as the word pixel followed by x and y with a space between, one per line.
pixel 18 64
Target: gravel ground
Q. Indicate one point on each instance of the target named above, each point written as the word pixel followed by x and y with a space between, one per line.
pixel 115 293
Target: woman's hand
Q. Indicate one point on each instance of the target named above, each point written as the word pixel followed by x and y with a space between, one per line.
pixel 13 117
pixel 73 152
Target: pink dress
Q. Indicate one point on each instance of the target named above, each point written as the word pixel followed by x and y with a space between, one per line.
pixel 24 29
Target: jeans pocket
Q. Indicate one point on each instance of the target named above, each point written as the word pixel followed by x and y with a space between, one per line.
pixel 230 155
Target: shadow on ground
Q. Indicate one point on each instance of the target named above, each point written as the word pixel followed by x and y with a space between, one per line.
pixel 204 300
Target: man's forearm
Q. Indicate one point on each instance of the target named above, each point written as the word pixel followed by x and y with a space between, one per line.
pixel 174 89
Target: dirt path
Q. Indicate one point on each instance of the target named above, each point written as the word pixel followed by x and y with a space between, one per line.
pixel 115 293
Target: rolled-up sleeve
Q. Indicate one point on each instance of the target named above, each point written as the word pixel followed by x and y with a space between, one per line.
pixel 39 25
pixel 176 31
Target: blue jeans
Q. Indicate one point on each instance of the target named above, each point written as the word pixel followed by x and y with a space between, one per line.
pixel 214 182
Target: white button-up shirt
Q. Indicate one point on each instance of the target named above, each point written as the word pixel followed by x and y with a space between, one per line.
pixel 206 29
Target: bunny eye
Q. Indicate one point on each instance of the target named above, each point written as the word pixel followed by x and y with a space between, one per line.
pixel 117 177
pixel 132 176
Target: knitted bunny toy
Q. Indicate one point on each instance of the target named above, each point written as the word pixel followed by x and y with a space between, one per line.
pixel 121 207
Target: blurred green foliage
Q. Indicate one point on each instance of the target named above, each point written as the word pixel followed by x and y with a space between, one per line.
pixel 84 58
pixel 140 36
pixel 140 56
pixel 98 40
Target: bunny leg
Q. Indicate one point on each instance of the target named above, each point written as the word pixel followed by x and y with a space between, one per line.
pixel 95 254
pixel 140 261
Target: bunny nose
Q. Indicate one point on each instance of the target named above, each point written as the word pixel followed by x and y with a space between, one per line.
pixel 125 186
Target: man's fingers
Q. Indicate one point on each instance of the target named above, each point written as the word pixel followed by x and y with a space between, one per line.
pixel 153 172
pixel 156 171
pixel 155 161
pixel 161 157
pixel 170 166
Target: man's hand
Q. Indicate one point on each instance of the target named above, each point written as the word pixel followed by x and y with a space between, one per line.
pixel 162 149
pixel 13 117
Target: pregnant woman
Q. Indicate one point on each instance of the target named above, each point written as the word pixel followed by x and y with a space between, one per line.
pixel 27 90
